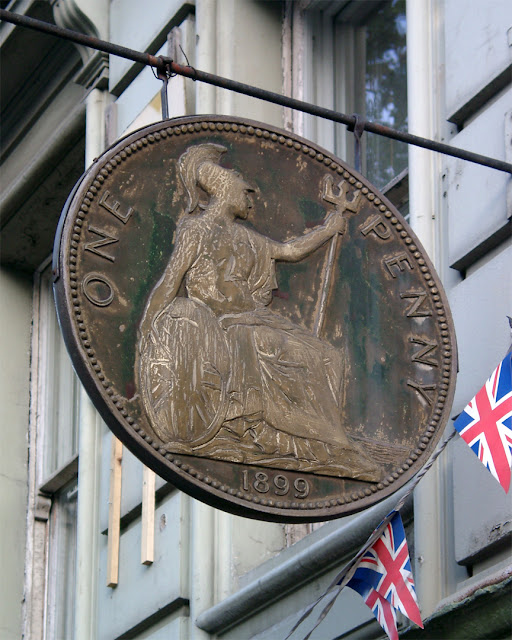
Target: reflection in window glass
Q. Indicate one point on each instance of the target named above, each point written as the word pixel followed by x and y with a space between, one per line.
pixel 62 570
pixel 386 89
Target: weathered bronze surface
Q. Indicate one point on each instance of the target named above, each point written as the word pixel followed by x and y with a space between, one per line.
pixel 253 319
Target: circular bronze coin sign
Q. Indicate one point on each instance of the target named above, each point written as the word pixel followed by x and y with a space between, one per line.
pixel 253 319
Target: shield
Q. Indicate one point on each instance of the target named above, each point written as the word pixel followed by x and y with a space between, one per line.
pixel 183 373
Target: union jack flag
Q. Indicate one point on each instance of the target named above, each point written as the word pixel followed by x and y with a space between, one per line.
pixel 486 423
pixel 384 577
pixel 380 607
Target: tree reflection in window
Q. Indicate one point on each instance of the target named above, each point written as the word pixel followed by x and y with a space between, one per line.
pixel 386 89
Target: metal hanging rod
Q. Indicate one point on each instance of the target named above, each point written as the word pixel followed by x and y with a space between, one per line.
pixel 164 64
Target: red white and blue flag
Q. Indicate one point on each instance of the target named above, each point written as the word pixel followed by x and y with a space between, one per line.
pixel 384 578
pixel 486 423
pixel 382 610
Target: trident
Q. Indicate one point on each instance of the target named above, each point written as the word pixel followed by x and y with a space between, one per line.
pixel 344 205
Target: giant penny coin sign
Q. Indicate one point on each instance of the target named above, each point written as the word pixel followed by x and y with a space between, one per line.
pixel 253 319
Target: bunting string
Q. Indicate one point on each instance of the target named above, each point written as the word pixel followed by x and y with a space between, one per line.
pixel 347 572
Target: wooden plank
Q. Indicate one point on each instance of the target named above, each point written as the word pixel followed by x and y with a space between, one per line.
pixel 147 549
pixel 114 513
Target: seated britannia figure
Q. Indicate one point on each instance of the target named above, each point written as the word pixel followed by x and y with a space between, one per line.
pixel 222 375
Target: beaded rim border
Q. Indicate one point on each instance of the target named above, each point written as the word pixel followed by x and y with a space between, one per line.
pixel 118 402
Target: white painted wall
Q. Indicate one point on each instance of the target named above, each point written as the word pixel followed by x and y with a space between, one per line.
pixel 15 328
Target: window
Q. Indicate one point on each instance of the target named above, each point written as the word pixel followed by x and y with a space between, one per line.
pixel 61 563
pixel 354 61
pixel 59 406
pixel 385 89
pixel 56 435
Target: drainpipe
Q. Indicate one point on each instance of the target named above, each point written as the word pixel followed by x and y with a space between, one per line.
pixel 429 522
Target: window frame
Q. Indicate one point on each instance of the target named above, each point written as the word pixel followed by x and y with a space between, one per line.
pixel 45 509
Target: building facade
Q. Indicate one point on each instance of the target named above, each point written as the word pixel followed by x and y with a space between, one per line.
pixel 442 69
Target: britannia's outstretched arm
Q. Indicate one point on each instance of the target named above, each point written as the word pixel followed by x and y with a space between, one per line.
pixel 298 248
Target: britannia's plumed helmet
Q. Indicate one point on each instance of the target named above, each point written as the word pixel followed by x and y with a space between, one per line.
pixel 189 164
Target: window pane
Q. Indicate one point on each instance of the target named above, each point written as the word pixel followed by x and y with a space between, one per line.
pixel 60 401
pixel 61 574
pixel 386 89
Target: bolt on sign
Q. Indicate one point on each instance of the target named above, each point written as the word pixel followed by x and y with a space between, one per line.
pixel 253 319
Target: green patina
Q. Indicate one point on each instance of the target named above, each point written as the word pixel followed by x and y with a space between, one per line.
pixel 312 212
pixel 146 269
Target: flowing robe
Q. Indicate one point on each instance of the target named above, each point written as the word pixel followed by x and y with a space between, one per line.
pixel 228 378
